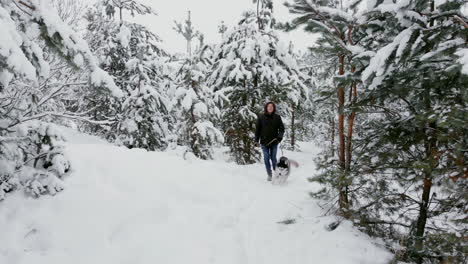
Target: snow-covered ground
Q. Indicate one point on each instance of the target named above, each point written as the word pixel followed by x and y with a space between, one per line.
pixel 133 206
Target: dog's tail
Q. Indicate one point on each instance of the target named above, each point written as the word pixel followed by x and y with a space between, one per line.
pixel 294 163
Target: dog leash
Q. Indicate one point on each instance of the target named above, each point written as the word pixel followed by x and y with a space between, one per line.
pixel 280 145
pixel 271 142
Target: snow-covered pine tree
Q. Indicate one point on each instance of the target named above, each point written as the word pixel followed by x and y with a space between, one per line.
pixel 413 173
pixel 146 123
pixel 409 172
pixel 251 66
pixel 187 30
pixel 31 156
pixel 121 6
pixel 131 53
pixel 222 28
pixel 335 21
pixel 196 108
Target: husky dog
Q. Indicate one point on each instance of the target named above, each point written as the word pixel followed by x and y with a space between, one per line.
pixel 283 169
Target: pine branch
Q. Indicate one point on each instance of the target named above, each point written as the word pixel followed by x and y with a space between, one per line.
pixel 367 222
pixel 12 139
pixel 20 5
pixel 459 19
pixel 27 5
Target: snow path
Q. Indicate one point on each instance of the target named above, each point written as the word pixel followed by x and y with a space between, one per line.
pixel 133 206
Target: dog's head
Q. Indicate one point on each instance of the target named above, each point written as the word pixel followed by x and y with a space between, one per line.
pixel 283 163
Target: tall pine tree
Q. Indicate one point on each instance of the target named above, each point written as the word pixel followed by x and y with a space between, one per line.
pixel 196 108
pixel 335 21
pixel 407 179
pixel 416 145
pixel 131 53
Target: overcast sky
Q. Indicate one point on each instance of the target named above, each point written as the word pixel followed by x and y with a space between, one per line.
pixel 206 16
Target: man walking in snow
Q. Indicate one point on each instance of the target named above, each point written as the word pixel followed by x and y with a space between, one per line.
pixel 269 132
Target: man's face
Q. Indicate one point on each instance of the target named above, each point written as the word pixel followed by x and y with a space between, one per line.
pixel 270 108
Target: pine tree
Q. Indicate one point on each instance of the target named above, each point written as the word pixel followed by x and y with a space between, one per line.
pixel 408 175
pixel 131 53
pixel 132 6
pixel 251 66
pixel 335 21
pixel 195 100
pixel 415 75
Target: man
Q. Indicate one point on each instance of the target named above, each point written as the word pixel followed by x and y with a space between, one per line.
pixel 269 132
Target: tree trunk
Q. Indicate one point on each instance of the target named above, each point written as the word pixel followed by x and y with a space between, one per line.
pixel 343 197
pixel 421 223
pixel 189 40
pixel 352 98
pixel 258 15
pixel 431 158
pixel 332 134
pixel 429 131
pixel 293 127
pixel 192 135
pixel 349 137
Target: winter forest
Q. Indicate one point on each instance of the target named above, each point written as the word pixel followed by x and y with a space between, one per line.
pixel 98 118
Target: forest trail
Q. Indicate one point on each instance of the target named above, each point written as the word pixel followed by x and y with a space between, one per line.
pixel 134 206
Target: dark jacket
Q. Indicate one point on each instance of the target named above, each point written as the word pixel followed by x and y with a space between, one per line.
pixel 269 127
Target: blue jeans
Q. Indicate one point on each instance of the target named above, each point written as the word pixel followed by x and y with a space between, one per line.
pixel 269 153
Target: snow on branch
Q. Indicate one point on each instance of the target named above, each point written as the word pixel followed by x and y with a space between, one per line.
pixel 45 24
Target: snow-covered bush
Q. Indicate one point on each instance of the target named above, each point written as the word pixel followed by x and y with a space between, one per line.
pixel 32 159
